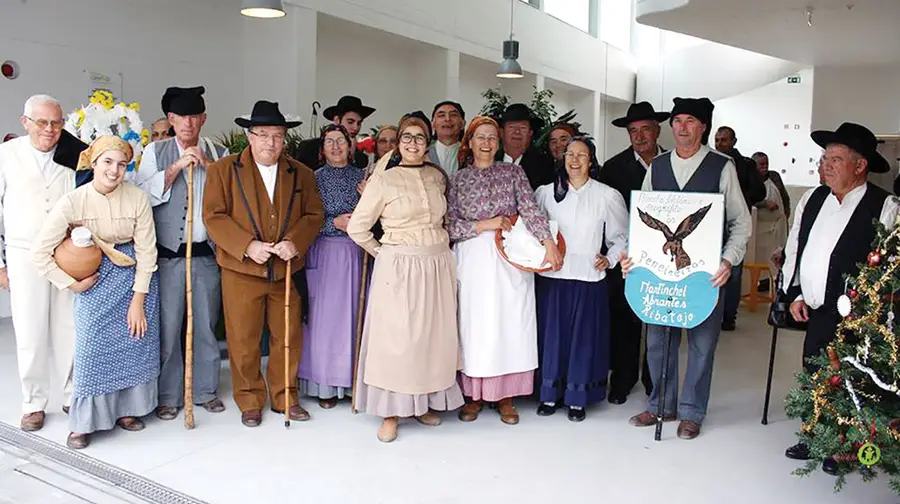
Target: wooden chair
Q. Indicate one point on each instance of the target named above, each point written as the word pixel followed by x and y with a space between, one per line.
pixel 754 298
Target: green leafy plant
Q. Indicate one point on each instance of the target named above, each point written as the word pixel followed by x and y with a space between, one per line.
pixel 496 102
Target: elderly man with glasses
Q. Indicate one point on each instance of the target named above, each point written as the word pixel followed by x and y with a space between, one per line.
pixel 35 171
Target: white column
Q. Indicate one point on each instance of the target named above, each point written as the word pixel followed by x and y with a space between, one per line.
pixel 540 82
pixel 452 75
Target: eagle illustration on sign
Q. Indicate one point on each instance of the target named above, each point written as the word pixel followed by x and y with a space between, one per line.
pixel 674 245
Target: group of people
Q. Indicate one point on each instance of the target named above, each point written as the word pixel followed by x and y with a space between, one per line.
pixel 449 323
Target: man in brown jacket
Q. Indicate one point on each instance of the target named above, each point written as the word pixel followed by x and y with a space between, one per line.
pixel 261 208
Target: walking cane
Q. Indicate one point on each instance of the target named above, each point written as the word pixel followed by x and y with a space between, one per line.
pixel 287 342
pixel 189 295
pixel 360 312
pixel 765 416
pixel 661 406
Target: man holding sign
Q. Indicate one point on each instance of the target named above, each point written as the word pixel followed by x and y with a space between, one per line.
pixel 692 167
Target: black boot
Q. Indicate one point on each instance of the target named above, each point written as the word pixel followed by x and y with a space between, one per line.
pixel 797 452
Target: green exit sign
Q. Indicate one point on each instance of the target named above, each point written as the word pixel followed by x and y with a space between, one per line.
pixel 794 79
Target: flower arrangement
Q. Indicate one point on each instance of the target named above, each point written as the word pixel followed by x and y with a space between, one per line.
pixel 103 116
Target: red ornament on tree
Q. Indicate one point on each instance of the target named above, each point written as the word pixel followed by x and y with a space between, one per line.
pixel 835 381
pixel 874 258
pixel 852 293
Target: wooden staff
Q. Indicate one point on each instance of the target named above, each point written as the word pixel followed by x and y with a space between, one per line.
pixel 360 312
pixel 287 343
pixel 189 333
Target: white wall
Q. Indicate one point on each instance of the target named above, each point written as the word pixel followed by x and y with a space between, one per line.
pixel 863 94
pixel 775 119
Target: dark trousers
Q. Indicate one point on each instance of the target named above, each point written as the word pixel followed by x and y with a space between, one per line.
pixel 823 323
pixel 625 341
pixel 733 292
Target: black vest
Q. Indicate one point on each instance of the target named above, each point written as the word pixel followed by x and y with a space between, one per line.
pixel 852 247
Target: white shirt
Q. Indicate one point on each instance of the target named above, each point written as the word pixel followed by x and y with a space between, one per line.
pixel 508 159
pixel 823 236
pixel 641 160
pixel 269 175
pixel 736 214
pixel 582 216
pixel 152 179
pixel 44 161
pixel 447 156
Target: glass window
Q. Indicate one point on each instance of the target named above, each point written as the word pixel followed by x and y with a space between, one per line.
pixel 574 12
pixel 615 23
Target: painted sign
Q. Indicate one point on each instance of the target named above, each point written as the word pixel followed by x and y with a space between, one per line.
pixel 675 240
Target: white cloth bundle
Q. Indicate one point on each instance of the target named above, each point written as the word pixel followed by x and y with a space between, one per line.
pixel 523 248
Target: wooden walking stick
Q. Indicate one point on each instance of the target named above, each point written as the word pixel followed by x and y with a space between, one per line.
pixel 287 342
pixel 360 313
pixel 189 294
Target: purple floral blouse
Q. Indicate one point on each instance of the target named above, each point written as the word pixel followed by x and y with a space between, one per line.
pixel 502 189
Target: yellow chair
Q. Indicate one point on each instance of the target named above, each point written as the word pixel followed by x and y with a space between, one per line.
pixel 754 298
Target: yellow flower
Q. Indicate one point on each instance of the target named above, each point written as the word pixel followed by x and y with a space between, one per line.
pixel 135 106
pixel 145 137
pixel 80 118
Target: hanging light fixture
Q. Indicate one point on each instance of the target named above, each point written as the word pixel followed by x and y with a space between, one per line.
pixel 510 67
pixel 263 8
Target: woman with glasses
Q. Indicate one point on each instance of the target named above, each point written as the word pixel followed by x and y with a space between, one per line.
pixel 333 269
pixel 385 142
pixel 498 331
pixel 409 352
pixel 572 303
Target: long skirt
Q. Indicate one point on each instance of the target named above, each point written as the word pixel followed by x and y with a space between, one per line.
pixel 409 352
pixel 333 269
pixel 114 375
pixel 497 322
pixel 573 334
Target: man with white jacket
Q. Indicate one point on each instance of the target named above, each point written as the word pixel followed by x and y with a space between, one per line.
pixel 35 171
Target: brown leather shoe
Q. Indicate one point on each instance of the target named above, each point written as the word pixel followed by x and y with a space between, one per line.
pixel 78 441
pixel 688 429
pixel 388 430
pixel 430 419
pixel 647 419
pixel 328 403
pixel 166 412
pixel 251 418
pixel 33 421
pixel 470 411
pixel 297 413
pixel 214 406
pixel 508 413
pixel 130 424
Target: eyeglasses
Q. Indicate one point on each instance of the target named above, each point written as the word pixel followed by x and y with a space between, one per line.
pixel 43 123
pixel 278 137
pixel 408 138
pixel 486 139
pixel 580 156
pixel 340 142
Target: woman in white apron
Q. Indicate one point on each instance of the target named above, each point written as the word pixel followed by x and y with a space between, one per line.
pixel 497 313
pixel 771 221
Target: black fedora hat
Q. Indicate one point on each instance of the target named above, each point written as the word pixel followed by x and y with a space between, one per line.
pixel 348 104
pixel 266 113
pixel 858 138
pixel 521 112
pixel 642 111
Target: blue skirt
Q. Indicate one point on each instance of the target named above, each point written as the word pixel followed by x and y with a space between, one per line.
pixel 107 358
pixel 573 340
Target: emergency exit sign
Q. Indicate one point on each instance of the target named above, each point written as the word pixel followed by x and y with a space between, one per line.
pixel 794 79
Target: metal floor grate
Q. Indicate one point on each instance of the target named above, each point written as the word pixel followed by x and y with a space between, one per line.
pixel 132 483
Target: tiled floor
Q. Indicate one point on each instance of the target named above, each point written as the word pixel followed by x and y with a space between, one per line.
pixel 336 457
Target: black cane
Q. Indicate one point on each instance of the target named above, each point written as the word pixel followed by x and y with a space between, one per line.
pixel 765 417
pixel 661 406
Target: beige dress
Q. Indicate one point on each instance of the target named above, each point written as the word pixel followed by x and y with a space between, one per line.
pixel 771 227
pixel 409 353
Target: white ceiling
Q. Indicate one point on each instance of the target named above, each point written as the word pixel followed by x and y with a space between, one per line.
pixel 843 32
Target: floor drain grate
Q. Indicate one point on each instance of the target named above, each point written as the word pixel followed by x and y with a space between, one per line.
pixel 124 480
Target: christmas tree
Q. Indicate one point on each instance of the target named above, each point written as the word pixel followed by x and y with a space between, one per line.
pixel 850 402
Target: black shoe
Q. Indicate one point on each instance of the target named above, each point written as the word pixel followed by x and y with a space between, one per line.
pixel 546 410
pixel 729 325
pixel 797 452
pixel 576 415
pixel 617 398
pixel 830 466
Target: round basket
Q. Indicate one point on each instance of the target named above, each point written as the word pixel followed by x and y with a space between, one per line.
pixel 498 241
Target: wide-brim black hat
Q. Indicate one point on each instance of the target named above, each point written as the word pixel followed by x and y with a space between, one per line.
pixel 266 113
pixel 348 104
pixel 521 112
pixel 184 101
pixel 642 111
pixel 858 138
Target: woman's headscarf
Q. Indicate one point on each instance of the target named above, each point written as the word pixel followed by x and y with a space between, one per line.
pixel 464 157
pixel 100 145
pixel 561 184
pixel 328 129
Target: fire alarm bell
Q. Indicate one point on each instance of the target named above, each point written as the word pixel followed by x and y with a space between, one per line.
pixel 9 69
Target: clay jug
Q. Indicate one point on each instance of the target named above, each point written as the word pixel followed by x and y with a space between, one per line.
pixel 78 255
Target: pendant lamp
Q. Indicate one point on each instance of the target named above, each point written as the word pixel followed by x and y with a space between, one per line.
pixel 267 9
pixel 510 67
